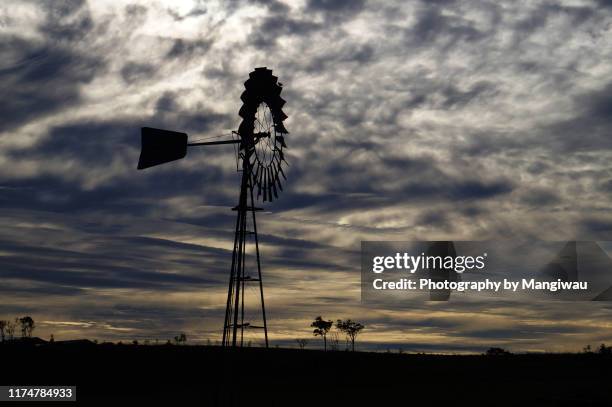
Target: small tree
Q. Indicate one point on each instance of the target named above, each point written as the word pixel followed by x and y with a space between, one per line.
pixel 497 352
pixel 334 342
pixel 10 329
pixel 27 326
pixel 321 328
pixel 351 329
pixel 2 328
pixel 181 338
pixel 302 342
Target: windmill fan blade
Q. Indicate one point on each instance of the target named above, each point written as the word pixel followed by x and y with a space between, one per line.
pixel 280 169
pixel 280 128
pixel 278 181
pixel 259 184
pixel 265 186
pixel 273 184
pixel 254 177
pixel 161 146
pixel 280 153
pixel 282 141
pixel 270 184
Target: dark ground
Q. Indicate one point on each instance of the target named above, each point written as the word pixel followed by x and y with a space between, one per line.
pixel 200 375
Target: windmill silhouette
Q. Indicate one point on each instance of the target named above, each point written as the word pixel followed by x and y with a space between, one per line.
pixel 260 140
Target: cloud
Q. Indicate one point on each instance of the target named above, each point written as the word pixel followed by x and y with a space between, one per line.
pixel 342 6
pixel 40 79
pixel 187 49
pixel 133 72
pixel 592 119
pixel 432 24
pixel 408 120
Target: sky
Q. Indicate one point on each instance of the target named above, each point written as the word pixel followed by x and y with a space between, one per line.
pixel 408 120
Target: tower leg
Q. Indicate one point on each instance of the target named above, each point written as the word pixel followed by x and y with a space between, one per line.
pixel 235 306
pixel 263 306
pixel 230 290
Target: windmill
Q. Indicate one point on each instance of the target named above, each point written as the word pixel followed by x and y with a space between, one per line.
pixel 260 141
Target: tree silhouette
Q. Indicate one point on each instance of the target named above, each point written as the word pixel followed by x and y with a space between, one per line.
pixel 334 342
pixel 10 329
pixel 27 326
pixel 497 352
pixel 2 327
pixel 302 342
pixel 181 338
pixel 351 329
pixel 321 328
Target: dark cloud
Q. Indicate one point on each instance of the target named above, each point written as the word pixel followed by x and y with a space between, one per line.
pixel 541 15
pixel 437 219
pixel 279 25
pixel 346 7
pixel 365 197
pixel 41 79
pixel 93 148
pixel 479 144
pixel 359 54
pixel 135 11
pixel 199 119
pixel 599 104
pixel 432 25
pixel 66 20
pixel 606 186
pixel 589 129
pixel 116 261
pixel 540 197
pixel 186 49
pixel 454 98
pixel 390 180
pixel 600 227
pixel 134 72
pixel 537 167
pixel 133 197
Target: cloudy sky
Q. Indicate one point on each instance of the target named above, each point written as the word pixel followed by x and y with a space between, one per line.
pixel 408 120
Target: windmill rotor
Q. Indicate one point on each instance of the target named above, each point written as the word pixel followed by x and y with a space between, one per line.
pixel 263 132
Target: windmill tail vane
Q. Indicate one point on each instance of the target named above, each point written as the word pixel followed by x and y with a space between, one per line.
pixel 261 143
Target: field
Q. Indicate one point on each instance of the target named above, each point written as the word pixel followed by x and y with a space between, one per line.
pixel 209 375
